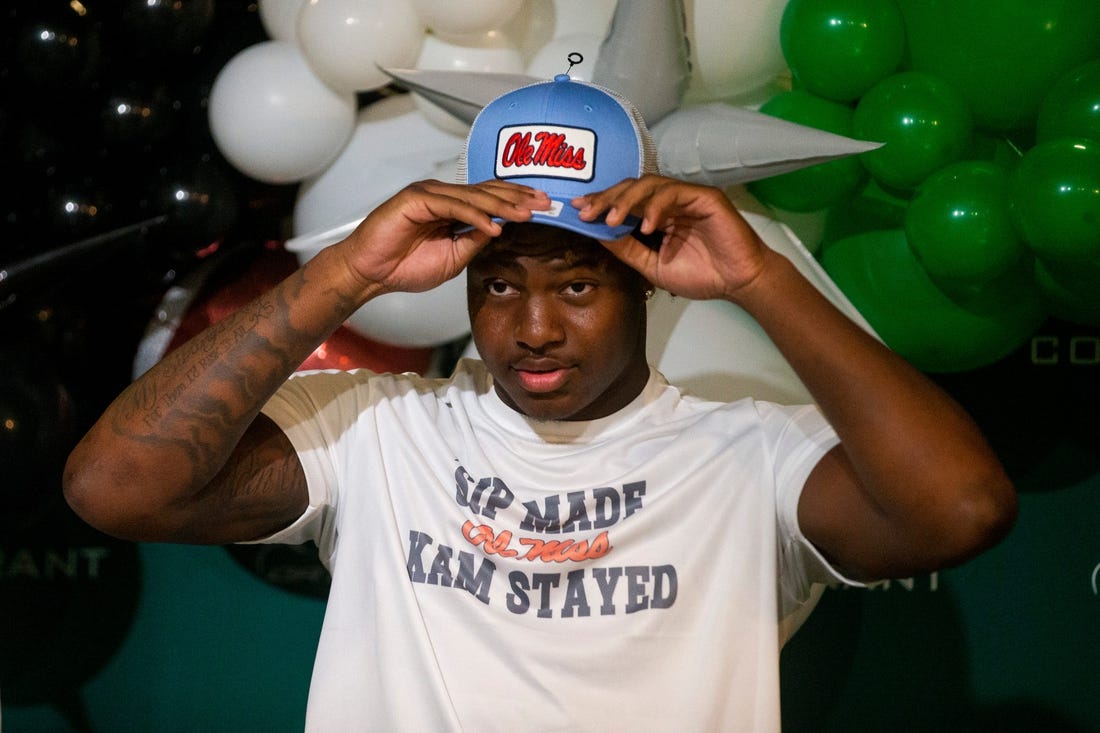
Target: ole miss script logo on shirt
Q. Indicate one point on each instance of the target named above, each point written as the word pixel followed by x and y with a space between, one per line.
pixel 546 151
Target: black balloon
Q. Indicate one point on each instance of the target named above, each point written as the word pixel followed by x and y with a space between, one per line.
pixel 293 568
pixel 54 50
pixel 67 592
pixel 20 217
pixel 76 209
pixel 200 200
pixel 39 151
pixel 36 428
pixel 162 28
pixel 236 27
pixel 137 114
pixel 68 595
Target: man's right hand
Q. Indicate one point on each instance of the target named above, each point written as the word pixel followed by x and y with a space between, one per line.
pixel 408 244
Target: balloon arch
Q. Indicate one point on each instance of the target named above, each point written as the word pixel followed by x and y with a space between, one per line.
pixel 939 159
pixel 988 189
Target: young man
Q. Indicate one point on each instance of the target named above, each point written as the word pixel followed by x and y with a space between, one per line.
pixel 553 538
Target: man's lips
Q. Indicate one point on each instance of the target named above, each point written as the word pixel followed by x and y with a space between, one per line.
pixel 540 377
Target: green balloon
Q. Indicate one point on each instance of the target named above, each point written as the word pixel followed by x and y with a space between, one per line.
pixel 1072 292
pixel 880 275
pixel 1002 55
pixel 838 49
pixel 923 122
pixel 819 186
pixel 870 210
pixel 1054 198
pixel 959 226
pixel 997 148
pixel 1072 107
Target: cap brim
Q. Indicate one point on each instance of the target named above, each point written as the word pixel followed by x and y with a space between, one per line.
pixel 563 215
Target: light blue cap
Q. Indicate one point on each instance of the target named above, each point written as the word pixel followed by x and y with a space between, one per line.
pixel 564 137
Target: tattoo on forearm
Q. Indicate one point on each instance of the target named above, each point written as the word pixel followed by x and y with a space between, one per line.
pixel 241 362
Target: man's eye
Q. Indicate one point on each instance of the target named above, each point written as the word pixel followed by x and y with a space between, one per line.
pixel 579 288
pixel 499 287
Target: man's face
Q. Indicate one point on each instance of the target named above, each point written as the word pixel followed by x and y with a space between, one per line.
pixel 559 322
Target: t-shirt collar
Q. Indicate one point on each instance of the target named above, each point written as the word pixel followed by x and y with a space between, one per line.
pixel 574 431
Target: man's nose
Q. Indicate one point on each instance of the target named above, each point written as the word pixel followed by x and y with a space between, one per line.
pixel 539 324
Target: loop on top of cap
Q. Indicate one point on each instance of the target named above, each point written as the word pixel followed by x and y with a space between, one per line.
pixel 574 58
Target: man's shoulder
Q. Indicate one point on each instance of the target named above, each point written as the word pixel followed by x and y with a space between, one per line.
pixel 470 368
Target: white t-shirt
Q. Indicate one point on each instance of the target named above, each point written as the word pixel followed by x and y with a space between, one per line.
pixel 495 573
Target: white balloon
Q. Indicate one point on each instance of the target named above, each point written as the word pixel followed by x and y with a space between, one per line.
pixel 273 119
pixel 553 58
pixel 808 227
pixel 416 320
pixel 493 51
pixel 346 41
pixel 710 347
pixel 584 16
pixel 280 19
pixel 735 46
pixel 392 146
pixel 465 17
pixel 532 27
pixel 411 320
pixel 541 21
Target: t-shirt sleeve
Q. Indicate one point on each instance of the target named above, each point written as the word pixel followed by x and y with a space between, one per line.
pixel 802 438
pixel 314 409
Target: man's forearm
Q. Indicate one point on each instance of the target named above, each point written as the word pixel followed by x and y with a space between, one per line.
pixel 171 431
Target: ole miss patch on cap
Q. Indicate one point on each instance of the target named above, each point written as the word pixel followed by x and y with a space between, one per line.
pixel 546 151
